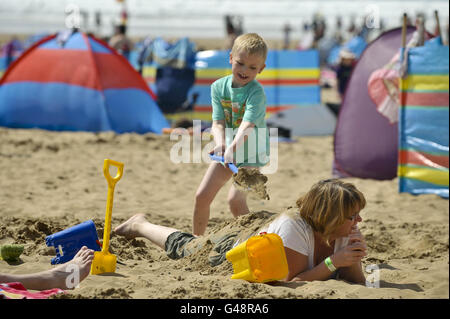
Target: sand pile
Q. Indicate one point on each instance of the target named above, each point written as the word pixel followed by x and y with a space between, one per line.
pixel 252 181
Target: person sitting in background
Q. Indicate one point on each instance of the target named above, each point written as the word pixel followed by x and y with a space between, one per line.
pixel 120 42
pixel 11 50
pixel 347 61
pixel 307 39
pixel 343 69
pixel 231 33
pixel 320 237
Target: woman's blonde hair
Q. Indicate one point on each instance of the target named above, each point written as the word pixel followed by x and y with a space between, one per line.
pixel 328 203
pixel 251 43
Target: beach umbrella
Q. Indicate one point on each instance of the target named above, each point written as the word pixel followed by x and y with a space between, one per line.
pixel 72 81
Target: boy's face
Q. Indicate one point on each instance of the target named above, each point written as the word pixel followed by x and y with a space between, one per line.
pixel 245 67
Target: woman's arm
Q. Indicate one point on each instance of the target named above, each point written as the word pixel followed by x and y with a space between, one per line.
pixel 298 265
pixel 353 273
pixel 347 260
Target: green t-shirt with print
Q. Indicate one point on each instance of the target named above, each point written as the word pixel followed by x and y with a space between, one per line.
pixel 234 105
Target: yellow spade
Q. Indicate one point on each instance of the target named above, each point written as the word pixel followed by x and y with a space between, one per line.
pixel 104 261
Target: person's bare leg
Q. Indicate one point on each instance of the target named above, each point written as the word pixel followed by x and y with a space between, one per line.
pixel 138 226
pixel 58 276
pixel 237 201
pixel 215 177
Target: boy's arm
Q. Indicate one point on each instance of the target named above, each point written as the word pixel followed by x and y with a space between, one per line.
pixel 238 141
pixel 254 111
pixel 218 132
pixel 218 121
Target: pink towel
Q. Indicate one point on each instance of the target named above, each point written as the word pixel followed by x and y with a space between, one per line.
pixel 15 290
pixel 383 86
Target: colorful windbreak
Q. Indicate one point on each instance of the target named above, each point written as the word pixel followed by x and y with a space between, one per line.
pixel 290 79
pixel 424 120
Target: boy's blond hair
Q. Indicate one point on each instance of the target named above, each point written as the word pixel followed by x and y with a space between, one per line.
pixel 251 43
pixel 328 203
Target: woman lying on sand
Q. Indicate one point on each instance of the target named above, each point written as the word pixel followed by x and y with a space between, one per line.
pixel 321 238
pixel 55 277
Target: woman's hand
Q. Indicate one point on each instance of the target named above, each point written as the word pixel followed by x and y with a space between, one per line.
pixel 356 236
pixel 349 255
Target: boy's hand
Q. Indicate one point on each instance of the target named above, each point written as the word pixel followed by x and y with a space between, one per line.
pixel 218 150
pixel 228 156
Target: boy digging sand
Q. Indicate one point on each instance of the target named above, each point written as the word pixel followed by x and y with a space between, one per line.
pixel 238 103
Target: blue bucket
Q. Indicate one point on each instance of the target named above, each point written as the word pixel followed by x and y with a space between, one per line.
pixel 69 241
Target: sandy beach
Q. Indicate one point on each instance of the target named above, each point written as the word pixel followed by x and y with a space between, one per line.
pixel 53 180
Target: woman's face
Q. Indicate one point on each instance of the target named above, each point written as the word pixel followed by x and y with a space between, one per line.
pixel 345 229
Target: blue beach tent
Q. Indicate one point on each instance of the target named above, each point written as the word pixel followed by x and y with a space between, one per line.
pixel 75 82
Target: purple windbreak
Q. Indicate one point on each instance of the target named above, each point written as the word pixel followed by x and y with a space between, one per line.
pixel 365 143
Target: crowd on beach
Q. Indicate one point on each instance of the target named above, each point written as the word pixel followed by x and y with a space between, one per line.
pixel 319 33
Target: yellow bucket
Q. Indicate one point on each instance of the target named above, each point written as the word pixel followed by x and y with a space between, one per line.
pixel 260 258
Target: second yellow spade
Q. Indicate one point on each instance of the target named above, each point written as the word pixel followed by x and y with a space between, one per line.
pixel 104 261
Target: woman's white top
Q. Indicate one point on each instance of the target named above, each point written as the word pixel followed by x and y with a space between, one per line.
pixel 298 235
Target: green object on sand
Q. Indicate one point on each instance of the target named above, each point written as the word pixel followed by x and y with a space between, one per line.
pixel 11 252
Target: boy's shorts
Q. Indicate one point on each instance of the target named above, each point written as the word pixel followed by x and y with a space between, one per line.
pixel 180 244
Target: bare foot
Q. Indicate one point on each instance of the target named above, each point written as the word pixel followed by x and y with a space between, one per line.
pixel 129 229
pixel 65 276
pixel 79 267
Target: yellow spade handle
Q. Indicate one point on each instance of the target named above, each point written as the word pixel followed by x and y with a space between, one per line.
pixel 109 203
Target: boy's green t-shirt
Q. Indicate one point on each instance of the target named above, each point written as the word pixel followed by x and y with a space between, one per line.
pixel 234 105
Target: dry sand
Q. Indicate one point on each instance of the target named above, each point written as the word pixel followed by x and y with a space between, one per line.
pixel 252 182
pixel 50 181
